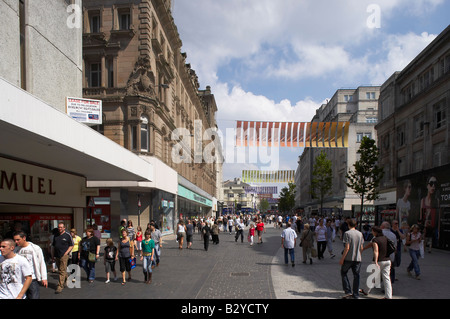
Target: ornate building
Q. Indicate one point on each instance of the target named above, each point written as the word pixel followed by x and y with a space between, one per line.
pixel 133 62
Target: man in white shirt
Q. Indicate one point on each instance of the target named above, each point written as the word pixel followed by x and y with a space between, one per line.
pixel 15 272
pixel 288 240
pixel 33 253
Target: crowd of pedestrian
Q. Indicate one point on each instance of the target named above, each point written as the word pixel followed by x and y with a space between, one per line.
pixel 315 235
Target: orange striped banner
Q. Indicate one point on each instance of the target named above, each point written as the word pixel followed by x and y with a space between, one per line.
pixel 292 134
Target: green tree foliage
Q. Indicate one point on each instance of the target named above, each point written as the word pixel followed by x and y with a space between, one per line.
pixel 366 175
pixel 264 205
pixel 287 198
pixel 322 178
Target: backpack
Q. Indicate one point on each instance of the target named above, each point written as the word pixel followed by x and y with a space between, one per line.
pixel 390 247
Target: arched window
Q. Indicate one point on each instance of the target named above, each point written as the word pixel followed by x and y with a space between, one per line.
pixel 145 137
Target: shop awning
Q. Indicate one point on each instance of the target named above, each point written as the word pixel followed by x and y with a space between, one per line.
pixel 35 132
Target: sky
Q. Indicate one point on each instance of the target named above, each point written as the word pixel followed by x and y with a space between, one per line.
pixel 280 60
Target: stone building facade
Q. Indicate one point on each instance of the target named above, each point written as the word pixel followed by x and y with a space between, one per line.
pixel 132 61
pixel 413 134
pixel 359 107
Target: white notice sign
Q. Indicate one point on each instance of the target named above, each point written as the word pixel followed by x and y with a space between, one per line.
pixel 84 110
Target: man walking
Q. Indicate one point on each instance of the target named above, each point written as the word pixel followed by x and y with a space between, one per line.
pixel 157 238
pixel 33 253
pixel 15 272
pixel 240 230
pixel 288 240
pixel 351 259
pixel 61 248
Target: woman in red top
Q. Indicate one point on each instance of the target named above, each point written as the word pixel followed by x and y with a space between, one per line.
pixel 260 229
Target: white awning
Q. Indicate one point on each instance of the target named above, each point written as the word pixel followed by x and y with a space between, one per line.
pixel 34 132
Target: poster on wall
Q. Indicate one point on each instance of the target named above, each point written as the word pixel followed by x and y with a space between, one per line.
pixel 84 110
pixel 424 199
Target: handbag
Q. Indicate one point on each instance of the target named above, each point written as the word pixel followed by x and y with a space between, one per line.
pixel 92 257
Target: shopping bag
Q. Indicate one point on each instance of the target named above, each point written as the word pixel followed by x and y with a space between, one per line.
pixel 133 262
pixel 313 252
pixel 422 249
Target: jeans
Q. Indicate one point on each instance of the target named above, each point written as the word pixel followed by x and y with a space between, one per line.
pixel 157 254
pixel 385 268
pixel 89 267
pixel 147 264
pixel 290 252
pixel 415 254
pixel 355 266
pixel 33 291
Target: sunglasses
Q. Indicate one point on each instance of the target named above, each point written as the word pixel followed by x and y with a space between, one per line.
pixel 432 183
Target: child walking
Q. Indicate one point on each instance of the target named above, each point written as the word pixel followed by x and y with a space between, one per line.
pixel 139 241
pixel 251 233
pixel 110 259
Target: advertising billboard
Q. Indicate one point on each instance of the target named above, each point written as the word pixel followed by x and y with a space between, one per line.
pixel 424 199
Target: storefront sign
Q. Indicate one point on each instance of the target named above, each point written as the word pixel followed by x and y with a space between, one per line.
pixel 186 193
pixel 26 184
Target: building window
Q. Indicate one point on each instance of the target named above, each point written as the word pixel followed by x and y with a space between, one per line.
pixel 134 137
pixel 418 126
pixel 359 136
pixel 371 120
pixel 439 114
pixel 145 147
pixel 94 21
pixel 348 98
pixel 401 138
pixel 110 68
pixel 370 95
pixel 418 161
pixel 124 19
pixel 95 74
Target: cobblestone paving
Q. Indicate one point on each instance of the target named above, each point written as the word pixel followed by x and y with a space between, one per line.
pixel 231 270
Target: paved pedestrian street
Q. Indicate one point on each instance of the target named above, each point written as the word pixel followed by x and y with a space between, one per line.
pixel 238 271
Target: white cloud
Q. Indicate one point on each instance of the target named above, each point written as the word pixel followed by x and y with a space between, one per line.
pixel 292 40
pixel 399 50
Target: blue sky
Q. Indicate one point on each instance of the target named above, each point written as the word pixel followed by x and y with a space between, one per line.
pixel 280 60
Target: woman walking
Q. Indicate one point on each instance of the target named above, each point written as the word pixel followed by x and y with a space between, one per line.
pixel 89 253
pixel 307 242
pixel 413 241
pixel 148 250
pixel 74 260
pixel 215 233
pixel 181 234
pixel 126 252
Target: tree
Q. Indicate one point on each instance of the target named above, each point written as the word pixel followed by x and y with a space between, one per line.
pixel 322 179
pixel 264 205
pixel 365 178
pixel 287 198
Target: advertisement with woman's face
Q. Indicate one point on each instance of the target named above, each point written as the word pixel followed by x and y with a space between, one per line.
pixel 424 199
